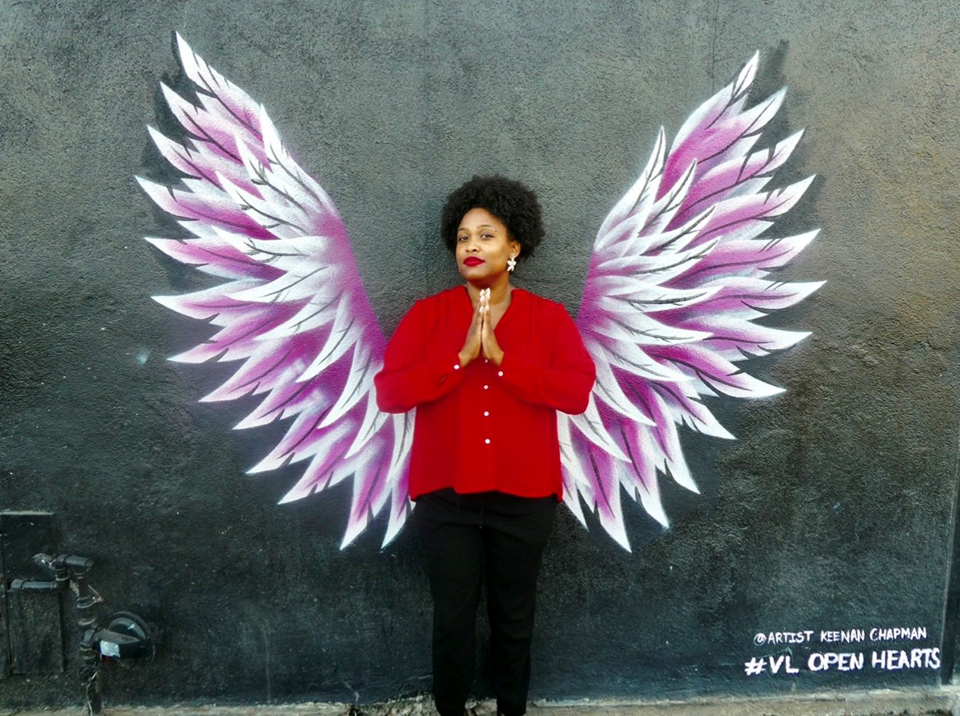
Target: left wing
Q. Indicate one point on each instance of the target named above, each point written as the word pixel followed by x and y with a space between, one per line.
pixel 678 275
pixel 291 310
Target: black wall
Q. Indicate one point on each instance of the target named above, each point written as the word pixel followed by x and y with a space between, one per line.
pixel 832 511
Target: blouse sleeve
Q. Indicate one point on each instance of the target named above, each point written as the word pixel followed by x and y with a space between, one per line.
pixel 409 376
pixel 565 382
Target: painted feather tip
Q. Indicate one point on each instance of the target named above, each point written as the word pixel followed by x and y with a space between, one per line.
pixel 268 464
pixel 620 537
pixel 612 523
pixel 803 289
pixel 158 138
pixel 766 390
pixel 145 184
pixel 297 493
pixel 660 516
pixel 251 421
pixel 572 499
pixel 745 78
pixel 174 100
pixel 685 480
pixel 182 45
pixel 804 184
pixel 353 531
pixel 393 529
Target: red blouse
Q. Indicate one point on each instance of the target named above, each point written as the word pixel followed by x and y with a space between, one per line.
pixel 482 427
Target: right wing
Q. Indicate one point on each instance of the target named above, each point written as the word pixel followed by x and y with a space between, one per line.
pixel 677 277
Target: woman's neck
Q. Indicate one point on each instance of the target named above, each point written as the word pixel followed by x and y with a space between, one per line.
pixel 499 292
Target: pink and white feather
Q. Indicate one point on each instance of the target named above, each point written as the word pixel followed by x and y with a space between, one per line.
pixel 292 311
pixel 678 274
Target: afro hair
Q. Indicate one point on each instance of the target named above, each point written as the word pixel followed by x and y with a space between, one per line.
pixel 510 201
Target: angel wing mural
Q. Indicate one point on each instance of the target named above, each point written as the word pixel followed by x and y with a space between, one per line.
pixel 678 275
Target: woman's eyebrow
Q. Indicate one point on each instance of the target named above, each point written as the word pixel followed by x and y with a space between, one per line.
pixel 479 226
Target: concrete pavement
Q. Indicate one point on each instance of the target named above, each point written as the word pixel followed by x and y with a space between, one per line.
pixel 864 703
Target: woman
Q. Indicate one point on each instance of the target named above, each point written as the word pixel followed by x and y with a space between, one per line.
pixel 487 366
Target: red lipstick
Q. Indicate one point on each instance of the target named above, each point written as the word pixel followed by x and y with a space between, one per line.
pixel 472 261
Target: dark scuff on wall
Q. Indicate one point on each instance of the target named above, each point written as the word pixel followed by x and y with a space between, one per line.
pixel 819 552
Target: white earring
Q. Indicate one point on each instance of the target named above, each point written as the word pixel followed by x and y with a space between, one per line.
pixel 511 264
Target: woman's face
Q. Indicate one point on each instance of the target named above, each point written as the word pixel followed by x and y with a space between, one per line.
pixel 483 247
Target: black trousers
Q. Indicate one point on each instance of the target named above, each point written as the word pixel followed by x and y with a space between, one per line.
pixel 466 538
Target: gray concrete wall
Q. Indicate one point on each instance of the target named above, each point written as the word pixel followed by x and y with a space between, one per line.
pixel 832 511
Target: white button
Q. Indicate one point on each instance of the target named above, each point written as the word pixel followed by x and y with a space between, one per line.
pixel 487 441
pixel 500 373
pixel 486 387
pixel 486 413
pixel 456 366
